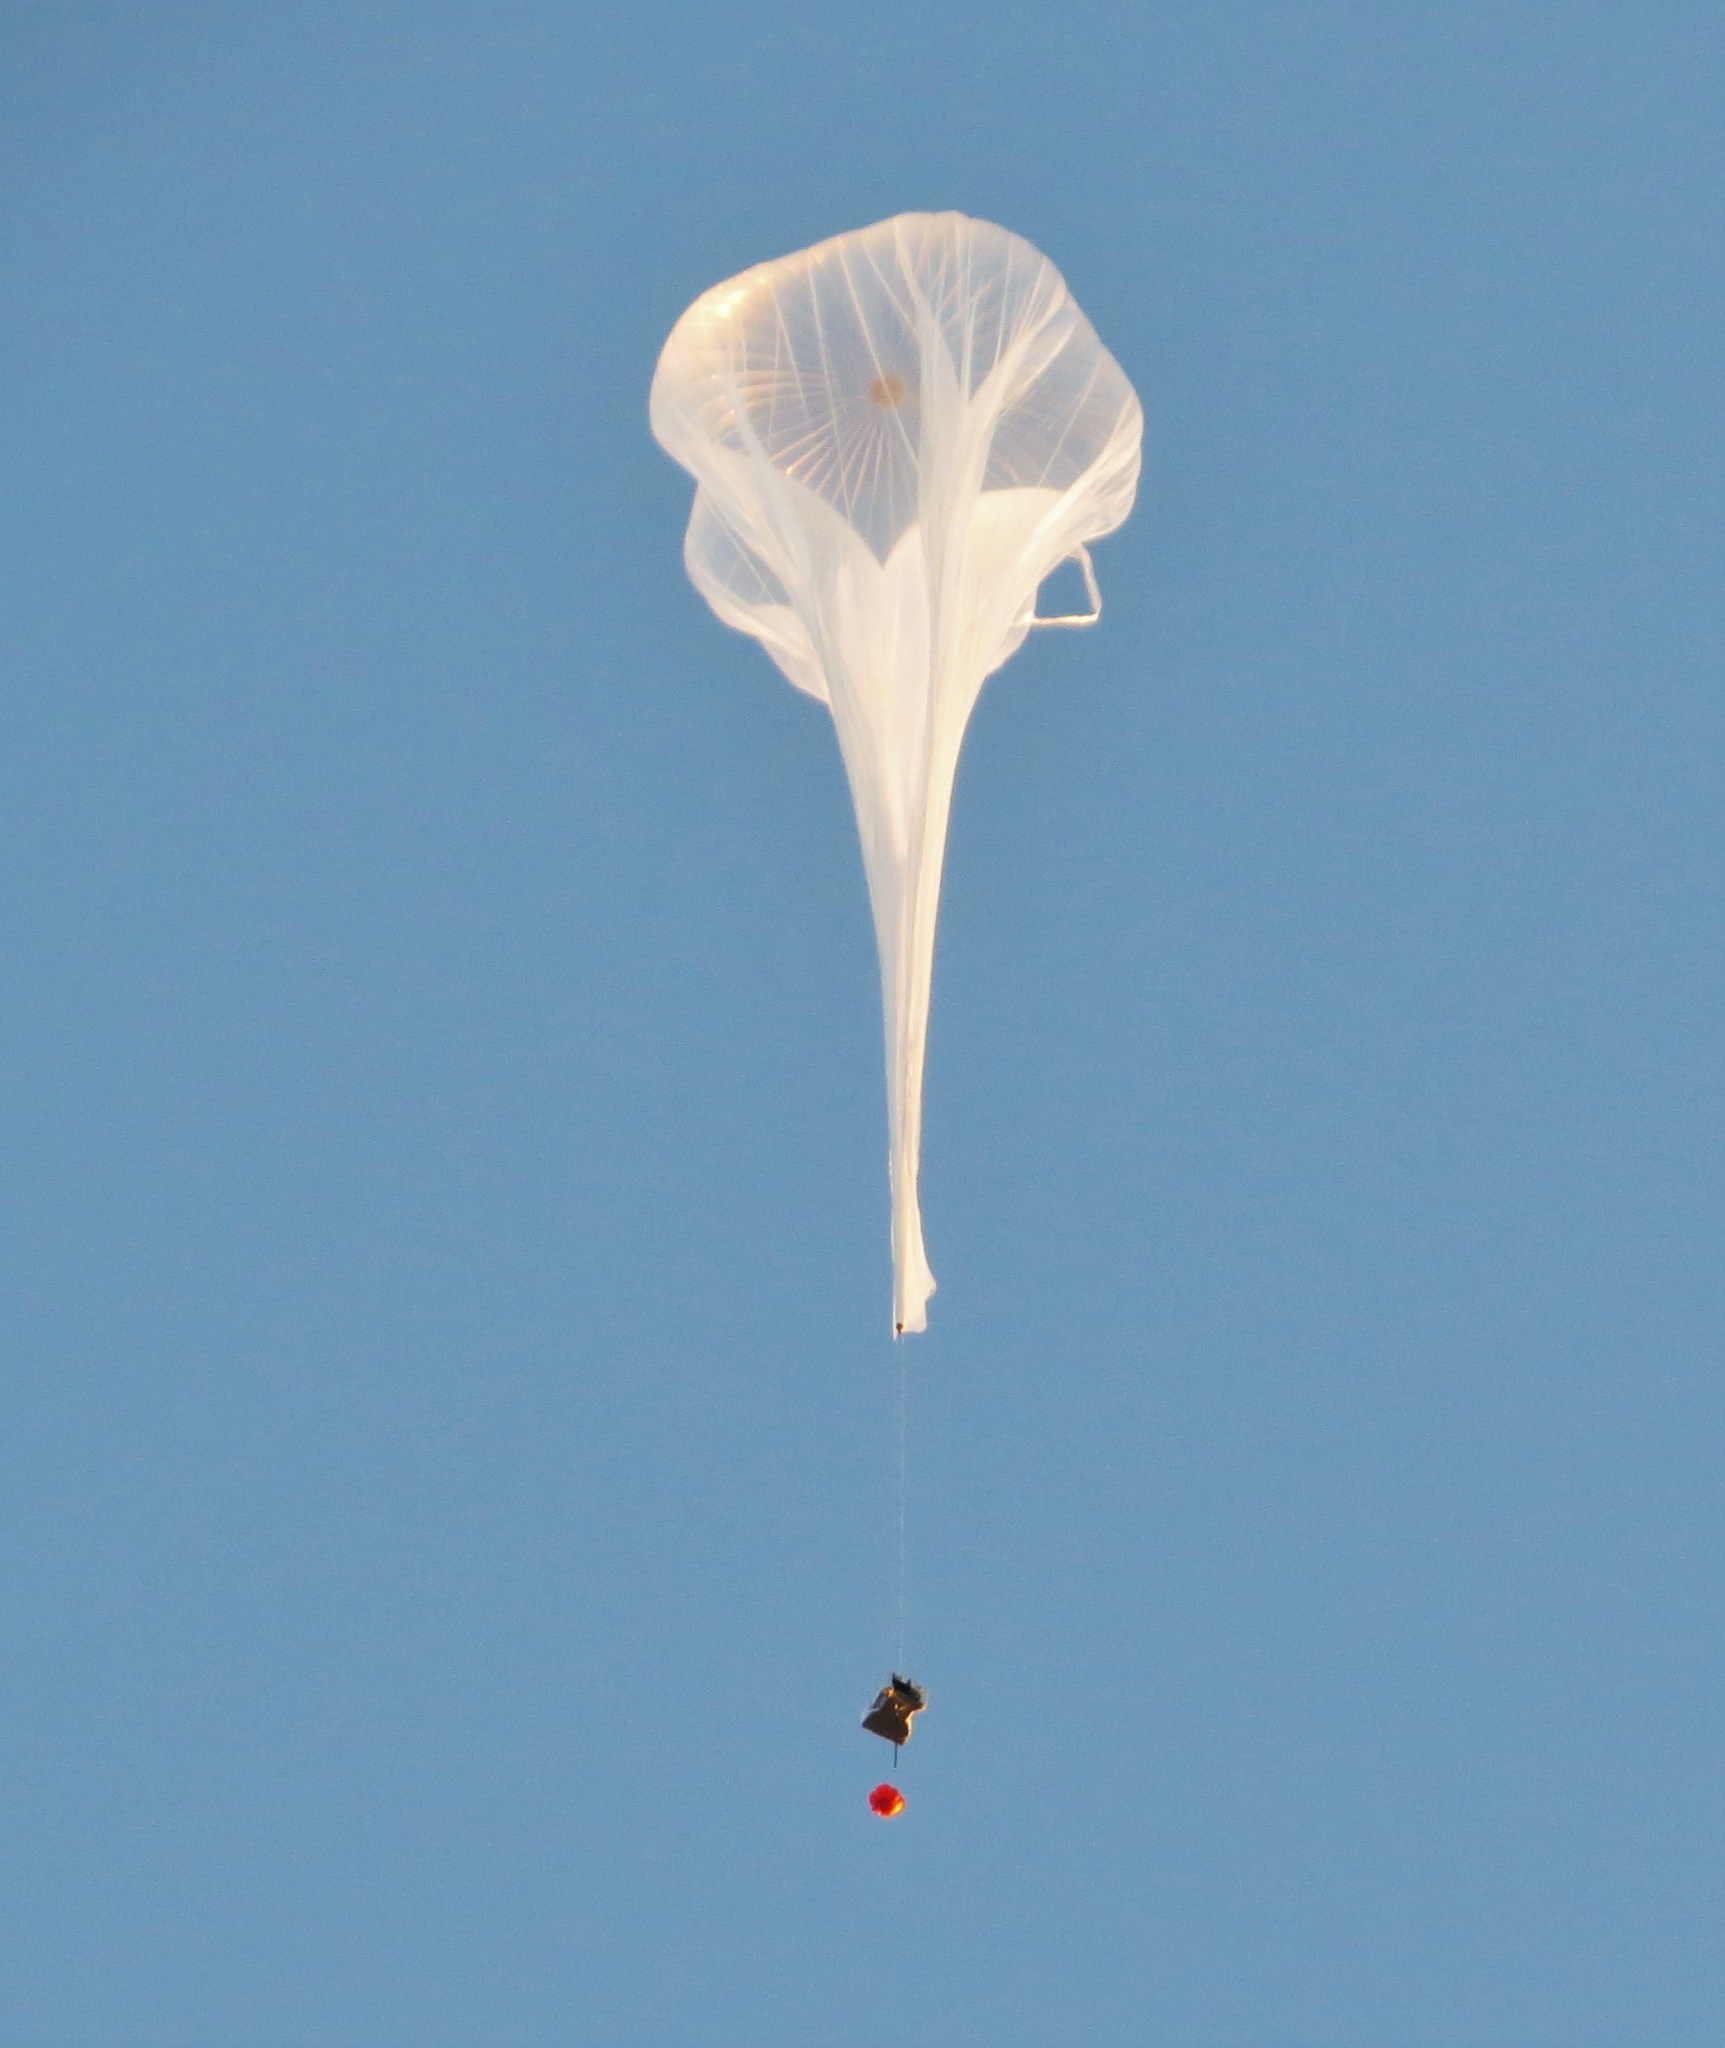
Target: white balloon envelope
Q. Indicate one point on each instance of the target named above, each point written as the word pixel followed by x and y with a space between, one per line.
pixel 895 436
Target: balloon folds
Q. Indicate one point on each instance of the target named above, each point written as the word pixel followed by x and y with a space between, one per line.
pixel 895 436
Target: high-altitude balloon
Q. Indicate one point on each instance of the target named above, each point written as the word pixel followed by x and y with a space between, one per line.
pixel 895 436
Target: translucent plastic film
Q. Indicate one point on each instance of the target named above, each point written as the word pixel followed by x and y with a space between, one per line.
pixel 895 437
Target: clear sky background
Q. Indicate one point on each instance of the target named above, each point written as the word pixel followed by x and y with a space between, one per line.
pixel 445 1470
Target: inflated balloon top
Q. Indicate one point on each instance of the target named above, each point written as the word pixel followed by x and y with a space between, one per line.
pixel 895 436
pixel 887 1801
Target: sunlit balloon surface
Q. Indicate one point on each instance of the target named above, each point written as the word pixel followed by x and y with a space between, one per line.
pixel 896 435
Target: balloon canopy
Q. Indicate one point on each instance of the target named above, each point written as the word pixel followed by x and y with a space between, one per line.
pixel 887 1801
pixel 895 436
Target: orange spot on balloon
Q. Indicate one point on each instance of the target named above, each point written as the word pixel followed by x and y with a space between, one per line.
pixel 887 1801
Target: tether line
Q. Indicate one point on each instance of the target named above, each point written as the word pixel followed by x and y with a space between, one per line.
pixel 903 1460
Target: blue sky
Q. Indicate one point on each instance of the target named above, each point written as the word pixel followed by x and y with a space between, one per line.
pixel 445 1454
